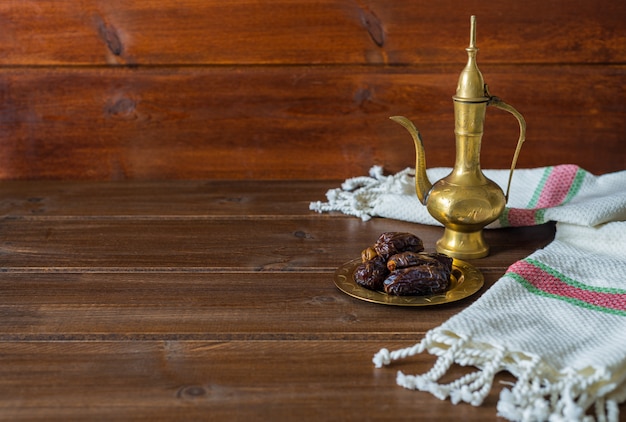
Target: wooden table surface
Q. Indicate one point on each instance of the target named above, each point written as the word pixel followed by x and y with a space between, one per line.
pixel 207 300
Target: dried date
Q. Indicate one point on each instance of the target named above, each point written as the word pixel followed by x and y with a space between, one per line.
pixel 391 243
pixel 372 273
pixel 418 280
pixel 409 259
pixel 367 254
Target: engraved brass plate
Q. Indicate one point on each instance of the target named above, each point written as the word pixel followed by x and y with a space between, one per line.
pixel 464 282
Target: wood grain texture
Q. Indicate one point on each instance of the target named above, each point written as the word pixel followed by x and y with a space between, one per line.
pixel 156 261
pixel 201 300
pixel 288 244
pixel 279 32
pixel 134 90
pixel 162 200
pixel 184 304
pixel 226 380
pixel 292 123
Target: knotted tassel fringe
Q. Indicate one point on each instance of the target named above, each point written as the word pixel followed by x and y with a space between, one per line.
pixel 532 398
pixel 358 196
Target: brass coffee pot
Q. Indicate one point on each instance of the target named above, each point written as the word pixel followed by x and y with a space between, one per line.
pixel 465 201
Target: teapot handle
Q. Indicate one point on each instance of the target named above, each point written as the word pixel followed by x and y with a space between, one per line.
pixel 498 103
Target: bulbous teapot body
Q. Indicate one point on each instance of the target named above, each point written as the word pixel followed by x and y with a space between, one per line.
pixel 465 204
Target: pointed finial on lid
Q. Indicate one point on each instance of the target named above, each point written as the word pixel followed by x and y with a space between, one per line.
pixel 472 43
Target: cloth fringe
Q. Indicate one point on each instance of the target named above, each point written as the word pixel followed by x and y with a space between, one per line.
pixel 537 395
pixel 358 196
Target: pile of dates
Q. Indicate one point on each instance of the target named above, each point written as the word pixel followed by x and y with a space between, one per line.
pixel 397 265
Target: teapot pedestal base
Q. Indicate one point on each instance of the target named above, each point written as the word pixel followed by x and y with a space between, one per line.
pixel 463 245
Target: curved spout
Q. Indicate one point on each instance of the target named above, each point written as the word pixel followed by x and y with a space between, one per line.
pixel 422 184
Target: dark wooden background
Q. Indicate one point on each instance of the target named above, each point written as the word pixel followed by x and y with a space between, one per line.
pixel 292 89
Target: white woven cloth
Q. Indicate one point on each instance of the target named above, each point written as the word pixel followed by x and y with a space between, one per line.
pixel 556 320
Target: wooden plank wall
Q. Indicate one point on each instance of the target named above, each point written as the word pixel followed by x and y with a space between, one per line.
pixel 293 89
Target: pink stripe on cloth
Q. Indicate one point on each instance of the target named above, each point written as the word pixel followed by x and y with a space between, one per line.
pixel 519 217
pixel 552 193
pixel 557 186
pixel 552 285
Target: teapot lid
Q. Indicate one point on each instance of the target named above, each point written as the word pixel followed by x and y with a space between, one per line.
pixel 471 86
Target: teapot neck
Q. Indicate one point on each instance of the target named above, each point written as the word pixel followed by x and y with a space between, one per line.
pixel 468 130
